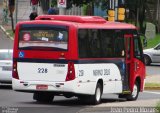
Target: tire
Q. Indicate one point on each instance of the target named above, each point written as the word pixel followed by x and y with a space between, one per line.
pixel 43 97
pixel 147 60
pixel 96 98
pixel 134 95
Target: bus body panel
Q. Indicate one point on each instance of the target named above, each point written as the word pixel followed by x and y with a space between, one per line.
pixel 139 72
pixel 42 71
pixel 108 72
pixel 85 83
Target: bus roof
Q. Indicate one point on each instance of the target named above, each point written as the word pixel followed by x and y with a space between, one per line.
pixel 80 22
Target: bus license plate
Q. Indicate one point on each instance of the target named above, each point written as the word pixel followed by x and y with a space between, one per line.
pixel 42 87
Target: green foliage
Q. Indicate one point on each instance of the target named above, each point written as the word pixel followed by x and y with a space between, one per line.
pixel 84 9
pixel 153 42
pixel 104 3
pixel 54 3
pixel 152 84
pixel 158 107
pixel 77 2
pixel 10 33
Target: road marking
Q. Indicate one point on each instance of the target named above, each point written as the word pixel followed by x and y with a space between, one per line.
pixel 158 93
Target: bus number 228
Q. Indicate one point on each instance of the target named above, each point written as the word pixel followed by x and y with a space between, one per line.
pixel 42 70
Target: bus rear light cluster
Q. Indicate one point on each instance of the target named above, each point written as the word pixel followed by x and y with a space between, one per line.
pixel 71 72
pixel 14 72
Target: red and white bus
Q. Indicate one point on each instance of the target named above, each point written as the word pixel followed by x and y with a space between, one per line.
pixel 82 56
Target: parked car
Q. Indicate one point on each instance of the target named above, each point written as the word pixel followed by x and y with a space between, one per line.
pixel 152 55
pixel 6 65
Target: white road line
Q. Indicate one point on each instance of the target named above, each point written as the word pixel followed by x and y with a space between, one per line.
pixel 158 93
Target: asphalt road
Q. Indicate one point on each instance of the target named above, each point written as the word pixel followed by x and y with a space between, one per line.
pixel 25 104
pixel 153 69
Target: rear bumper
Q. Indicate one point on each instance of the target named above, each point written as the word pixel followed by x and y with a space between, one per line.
pixel 71 87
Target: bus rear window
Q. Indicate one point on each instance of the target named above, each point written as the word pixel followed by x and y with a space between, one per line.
pixel 38 38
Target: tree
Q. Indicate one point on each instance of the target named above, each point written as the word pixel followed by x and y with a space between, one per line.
pixel 77 2
pixel 105 3
pixel 144 10
pixel 11 5
pixel 139 10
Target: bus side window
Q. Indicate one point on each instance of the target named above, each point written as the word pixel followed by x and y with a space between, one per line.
pixel 94 43
pixel 119 47
pixel 83 43
pixel 106 41
pixel 137 48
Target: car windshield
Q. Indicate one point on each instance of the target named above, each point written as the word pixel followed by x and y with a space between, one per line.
pixel 5 55
pixel 157 47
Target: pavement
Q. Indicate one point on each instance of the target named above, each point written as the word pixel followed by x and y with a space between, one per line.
pixel 23 12
pixel 152 79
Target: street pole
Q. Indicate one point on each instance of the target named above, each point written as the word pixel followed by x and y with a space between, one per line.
pixel 12 22
pixel 158 15
pixel 16 13
pixel 110 4
pixel 116 10
pixel 157 10
pixel 62 4
pixel 62 11
pixel 137 17
pixel 113 4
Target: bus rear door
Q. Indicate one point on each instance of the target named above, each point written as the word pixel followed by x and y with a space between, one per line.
pixel 135 69
pixel 128 79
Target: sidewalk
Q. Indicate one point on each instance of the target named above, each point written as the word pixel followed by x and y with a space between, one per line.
pixel 23 12
pixel 153 80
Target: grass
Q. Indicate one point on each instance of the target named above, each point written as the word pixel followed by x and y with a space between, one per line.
pixel 158 107
pixel 152 84
pixel 10 33
pixel 153 42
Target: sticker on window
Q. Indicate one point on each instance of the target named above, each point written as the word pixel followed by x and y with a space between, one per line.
pixel 21 54
pixel 26 37
pixel 60 36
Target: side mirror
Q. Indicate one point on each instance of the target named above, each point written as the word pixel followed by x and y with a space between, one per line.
pixel 157 48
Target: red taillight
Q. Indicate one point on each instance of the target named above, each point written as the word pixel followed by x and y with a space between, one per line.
pixel 71 72
pixel 14 71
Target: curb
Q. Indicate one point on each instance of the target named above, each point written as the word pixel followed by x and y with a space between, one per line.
pixel 4 30
pixel 151 88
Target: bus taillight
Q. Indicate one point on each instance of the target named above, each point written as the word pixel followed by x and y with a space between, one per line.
pixel 71 72
pixel 14 72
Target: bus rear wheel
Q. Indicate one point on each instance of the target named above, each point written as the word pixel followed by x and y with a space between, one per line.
pixel 96 98
pixel 93 99
pixel 135 92
pixel 43 97
pixel 134 95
